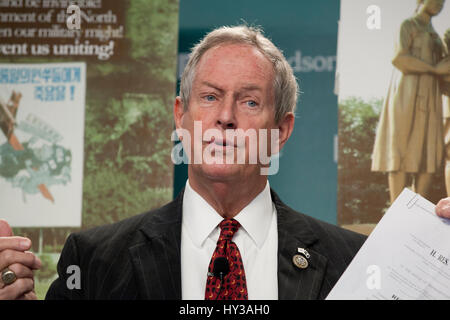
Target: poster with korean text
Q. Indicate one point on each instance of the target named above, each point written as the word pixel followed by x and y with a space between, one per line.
pixel 41 143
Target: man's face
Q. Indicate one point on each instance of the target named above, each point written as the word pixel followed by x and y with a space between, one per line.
pixel 232 90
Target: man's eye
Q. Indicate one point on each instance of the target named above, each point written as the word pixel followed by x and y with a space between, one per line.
pixel 210 98
pixel 251 103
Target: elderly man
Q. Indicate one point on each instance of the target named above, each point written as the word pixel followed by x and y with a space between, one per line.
pixel 227 235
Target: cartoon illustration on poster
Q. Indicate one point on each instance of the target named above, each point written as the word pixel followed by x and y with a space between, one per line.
pixel 41 143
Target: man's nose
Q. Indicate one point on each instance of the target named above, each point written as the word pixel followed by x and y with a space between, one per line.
pixel 226 117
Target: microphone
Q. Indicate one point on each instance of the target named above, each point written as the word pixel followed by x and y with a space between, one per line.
pixel 221 267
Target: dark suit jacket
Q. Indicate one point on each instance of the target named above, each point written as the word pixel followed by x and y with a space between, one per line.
pixel 139 258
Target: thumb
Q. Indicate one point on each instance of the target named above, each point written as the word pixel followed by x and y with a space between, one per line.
pixel 5 229
pixel 443 208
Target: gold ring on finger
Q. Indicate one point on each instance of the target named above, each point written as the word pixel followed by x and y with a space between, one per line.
pixel 8 276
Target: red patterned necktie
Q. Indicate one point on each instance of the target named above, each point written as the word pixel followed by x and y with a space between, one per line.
pixel 234 285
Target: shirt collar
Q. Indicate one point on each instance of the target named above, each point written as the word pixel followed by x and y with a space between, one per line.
pixel 200 218
pixel 257 216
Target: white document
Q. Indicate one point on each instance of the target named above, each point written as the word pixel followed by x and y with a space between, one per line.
pixel 407 256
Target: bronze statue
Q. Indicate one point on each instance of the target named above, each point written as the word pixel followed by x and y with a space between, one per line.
pixel 410 133
pixel 445 86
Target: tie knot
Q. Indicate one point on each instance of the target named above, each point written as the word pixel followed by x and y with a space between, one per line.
pixel 228 227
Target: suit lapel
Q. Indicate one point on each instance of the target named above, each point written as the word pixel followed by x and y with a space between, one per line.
pixel 294 232
pixel 156 259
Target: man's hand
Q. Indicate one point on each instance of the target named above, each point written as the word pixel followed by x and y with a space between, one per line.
pixel 443 208
pixel 14 255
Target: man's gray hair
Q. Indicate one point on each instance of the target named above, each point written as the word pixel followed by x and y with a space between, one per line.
pixel 285 85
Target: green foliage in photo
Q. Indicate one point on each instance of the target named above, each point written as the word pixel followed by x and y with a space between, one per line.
pixel 362 194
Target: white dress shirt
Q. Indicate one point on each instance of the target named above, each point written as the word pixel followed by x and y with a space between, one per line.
pixel 257 240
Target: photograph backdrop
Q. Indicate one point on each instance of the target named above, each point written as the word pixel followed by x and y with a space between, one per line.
pixel 368 33
pixel 128 50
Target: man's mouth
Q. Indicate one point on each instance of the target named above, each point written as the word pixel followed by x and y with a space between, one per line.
pixel 222 142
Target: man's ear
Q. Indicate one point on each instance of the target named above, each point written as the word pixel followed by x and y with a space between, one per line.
pixel 178 112
pixel 285 127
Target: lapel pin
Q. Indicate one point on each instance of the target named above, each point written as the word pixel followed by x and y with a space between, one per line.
pixel 300 260
pixel 303 252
